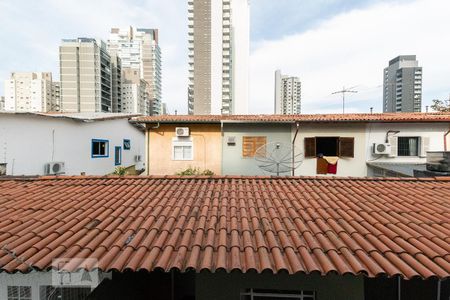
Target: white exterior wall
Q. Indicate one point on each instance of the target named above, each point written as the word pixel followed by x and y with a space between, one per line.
pixel 365 136
pixel 376 133
pixel 355 166
pixel 33 279
pixel 26 144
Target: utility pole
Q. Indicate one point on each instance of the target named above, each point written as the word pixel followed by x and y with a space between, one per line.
pixel 343 91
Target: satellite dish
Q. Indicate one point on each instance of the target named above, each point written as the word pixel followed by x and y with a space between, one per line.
pixel 278 158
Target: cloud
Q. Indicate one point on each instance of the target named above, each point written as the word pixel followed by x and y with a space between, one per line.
pixel 351 49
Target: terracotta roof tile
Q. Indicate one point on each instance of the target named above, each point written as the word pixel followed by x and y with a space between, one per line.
pixel 378 117
pixel 292 224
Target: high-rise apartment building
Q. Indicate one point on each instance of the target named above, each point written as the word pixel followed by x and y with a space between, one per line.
pixel 218 56
pixel 402 85
pixel 56 95
pixel 116 83
pixel 138 49
pixel 288 94
pixel 86 76
pixel 134 93
pixel 29 92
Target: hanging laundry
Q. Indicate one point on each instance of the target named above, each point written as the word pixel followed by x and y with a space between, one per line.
pixel 332 164
pixel 322 166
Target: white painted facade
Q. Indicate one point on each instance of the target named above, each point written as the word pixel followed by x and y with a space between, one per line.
pixel 346 166
pixel 35 280
pixel 134 98
pixel 29 92
pixel 430 136
pixel 29 141
pixel 288 94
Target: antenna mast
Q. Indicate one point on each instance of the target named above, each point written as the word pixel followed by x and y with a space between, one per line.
pixel 343 91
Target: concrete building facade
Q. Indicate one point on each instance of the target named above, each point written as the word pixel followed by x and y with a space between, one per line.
pixel 2 103
pixel 402 85
pixel 134 93
pixel 138 49
pixel 86 76
pixel 288 91
pixel 218 36
pixel 29 92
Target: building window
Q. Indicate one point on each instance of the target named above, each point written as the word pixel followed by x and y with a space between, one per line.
pixel 182 149
pixel 56 293
pixel 117 155
pixel 266 294
pixel 126 144
pixel 329 146
pixel 100 148
pixel 408 146
pixel 19 292
pixel 250 144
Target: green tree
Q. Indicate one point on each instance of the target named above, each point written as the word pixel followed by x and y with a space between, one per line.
pixel 440 106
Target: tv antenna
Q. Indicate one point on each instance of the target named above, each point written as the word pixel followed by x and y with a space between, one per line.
pixel 343 92
pixel 278 158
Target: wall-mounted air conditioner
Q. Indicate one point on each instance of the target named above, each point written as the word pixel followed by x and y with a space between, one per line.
pixel 381 148
pixel 182 131
pixel 231 140
pixel 54 168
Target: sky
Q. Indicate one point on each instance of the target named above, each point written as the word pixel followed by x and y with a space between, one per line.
pixel 329 44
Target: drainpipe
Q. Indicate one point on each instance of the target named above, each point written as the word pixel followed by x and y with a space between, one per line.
pixel 445 139
pixel 399 288
pixel 297 125
pixel 221 155
pixel 147 147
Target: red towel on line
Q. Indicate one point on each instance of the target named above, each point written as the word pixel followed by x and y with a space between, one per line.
pixel 332 169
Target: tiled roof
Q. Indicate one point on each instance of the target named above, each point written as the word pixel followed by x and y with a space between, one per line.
pixel 384 117
pixel 307 224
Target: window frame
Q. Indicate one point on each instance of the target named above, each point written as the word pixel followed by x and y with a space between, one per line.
pixel 182 142
pixel 255 144
pixel 128 147
pixel 266 293
pixel 106 155
pixel 119 162
pixel 19 297
pixel 310 146
pixel 418 145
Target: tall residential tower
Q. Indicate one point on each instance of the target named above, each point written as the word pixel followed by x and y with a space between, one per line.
pixel 288 93
pixel 86 76
pixel 138 50
pixel 218 56
pixel 402 85
pixel 29 92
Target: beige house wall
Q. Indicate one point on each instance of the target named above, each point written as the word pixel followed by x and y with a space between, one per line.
pixel 207 147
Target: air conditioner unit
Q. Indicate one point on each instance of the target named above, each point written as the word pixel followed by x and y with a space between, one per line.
pixel 231 140
pixel 137 158
pixel 182 131
pixel 54 168
pixel 382 148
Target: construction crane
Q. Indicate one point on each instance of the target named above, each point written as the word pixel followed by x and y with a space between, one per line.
pixel 343 91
